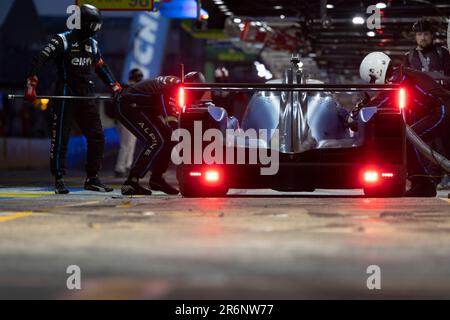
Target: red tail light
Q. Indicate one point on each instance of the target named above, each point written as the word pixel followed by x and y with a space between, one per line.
pixel 195 174
pixel 402 98
pixel 371 176
pixel 181 98
pixel 212 176
pixel 209 176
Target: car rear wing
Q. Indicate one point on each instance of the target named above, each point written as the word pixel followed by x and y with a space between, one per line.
pixel 280 87
pixel 289 87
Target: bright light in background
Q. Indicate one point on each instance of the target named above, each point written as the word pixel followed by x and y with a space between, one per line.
pixel 381 5
pixel 358 20
pixel 44 104
pixel 218 1
pixel 262 71
pixel 278 7
pixel 181 9
pixel 237 20
pixel 330 6
pixel 228 13
pixel 282 16
pixel 371 34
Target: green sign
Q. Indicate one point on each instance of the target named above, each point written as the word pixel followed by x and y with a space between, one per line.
pixel 119 5
pixel 228 54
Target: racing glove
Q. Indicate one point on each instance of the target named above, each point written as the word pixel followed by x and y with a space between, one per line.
pixel 116 88
pixel 30 90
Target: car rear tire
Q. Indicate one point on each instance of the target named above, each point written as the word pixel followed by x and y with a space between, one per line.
pixel 189 191
pixel 395 191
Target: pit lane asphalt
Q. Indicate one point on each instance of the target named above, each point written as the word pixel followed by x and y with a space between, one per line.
pixel 251 245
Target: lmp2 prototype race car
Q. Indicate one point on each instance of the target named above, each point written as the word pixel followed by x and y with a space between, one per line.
pixel 308 137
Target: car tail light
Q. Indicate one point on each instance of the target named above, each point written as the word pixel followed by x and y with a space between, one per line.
pixel 195 174
pixel 371 176
pixel 208 175
pixel 402 98
pixel 212 176
pixel 181 98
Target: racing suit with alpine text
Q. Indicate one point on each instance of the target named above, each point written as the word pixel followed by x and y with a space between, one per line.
pixel 144 108
pixel 75 57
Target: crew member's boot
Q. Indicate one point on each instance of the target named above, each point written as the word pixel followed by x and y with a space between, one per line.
pixel 131 187
pixel 157 183
pixel 94 184
pixel 421 187
pixel 60 186
pixel 444 184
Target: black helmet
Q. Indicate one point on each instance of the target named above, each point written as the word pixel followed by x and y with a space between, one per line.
pixel 91 20
pixel 194 77
pixel 423 25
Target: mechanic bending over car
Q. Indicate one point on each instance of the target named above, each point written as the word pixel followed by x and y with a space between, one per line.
pixel 75 52
pixel 428 114
pixel 429 57
pixel 149 110
pixel 126 138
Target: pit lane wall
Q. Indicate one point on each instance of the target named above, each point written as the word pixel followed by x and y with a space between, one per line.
pixel 22 153
pixel 32 153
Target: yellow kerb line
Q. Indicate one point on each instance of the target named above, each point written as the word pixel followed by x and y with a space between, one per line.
pixel 25 194
pixel 15 216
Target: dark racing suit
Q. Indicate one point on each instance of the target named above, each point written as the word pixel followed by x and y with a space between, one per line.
pixel 427 113
pixel 143 108
pixel 433 59
pixel 74 57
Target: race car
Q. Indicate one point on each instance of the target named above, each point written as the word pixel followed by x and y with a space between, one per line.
pixel 309 135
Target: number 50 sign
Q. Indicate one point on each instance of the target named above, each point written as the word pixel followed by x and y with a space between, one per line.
pixel 119 5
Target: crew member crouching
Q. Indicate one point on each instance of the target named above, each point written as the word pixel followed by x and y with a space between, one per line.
pixel 148 109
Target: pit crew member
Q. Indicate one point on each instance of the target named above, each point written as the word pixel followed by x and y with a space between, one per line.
pixel 75 53
pixel 428 115
pixel 148 109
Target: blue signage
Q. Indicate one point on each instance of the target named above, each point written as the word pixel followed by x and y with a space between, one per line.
pixel 148 35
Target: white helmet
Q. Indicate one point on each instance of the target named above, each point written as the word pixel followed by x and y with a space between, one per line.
pixel 374 67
